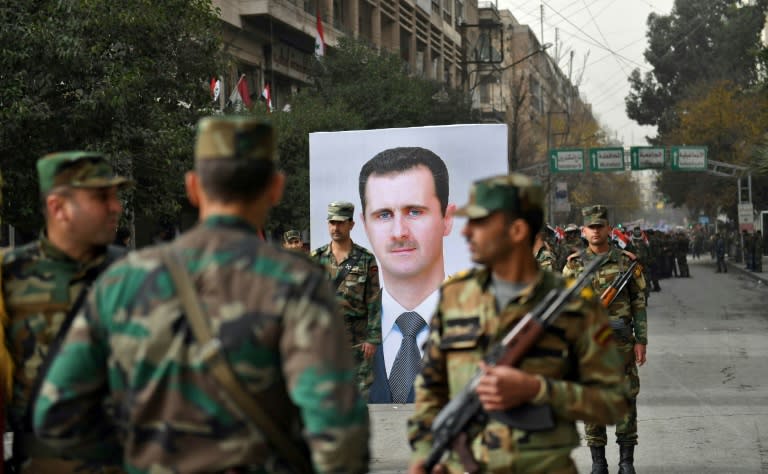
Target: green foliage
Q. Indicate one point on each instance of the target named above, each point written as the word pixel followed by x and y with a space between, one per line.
pixel 126 78
pixel 694 45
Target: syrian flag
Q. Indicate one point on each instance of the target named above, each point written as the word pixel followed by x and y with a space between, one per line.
pixel 240 94
pixel 620 238
pixel 319 36
pixel 560 233
pixel 267 94
pixel 215 89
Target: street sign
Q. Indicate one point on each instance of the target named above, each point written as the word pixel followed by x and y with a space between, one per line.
pixel 689 158
pixel 646 157
pixel 566 160
pixel 606 159
pixel 746 216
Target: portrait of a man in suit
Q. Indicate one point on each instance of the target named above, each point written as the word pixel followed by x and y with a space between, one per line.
pixel 406 216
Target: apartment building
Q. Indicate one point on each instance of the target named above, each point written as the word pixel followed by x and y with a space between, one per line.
pixel 273 41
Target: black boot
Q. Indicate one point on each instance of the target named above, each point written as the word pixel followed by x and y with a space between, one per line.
pixel 626 460
pixel 599 464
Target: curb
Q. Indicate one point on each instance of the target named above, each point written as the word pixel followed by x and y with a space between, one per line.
pixel 739 267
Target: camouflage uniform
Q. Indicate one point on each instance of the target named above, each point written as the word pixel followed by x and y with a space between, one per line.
pixel 681 245
pixel 40 285
pixel 545 258
pixel 359 296
pixel 628 319
pixel 275 318
pixel 576 358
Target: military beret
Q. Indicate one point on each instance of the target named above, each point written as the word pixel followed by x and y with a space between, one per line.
pixel 234 137
pixel 340 211
pixel 77 169
pixel 291 235
pixel 514 193
pixel 595 215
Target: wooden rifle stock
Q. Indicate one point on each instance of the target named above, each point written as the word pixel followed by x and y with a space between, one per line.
pixel 451 426
pixel 618 284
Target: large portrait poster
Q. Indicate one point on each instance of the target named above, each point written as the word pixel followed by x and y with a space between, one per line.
pixel 405 185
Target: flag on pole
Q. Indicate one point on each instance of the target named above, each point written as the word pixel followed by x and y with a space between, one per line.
pixel 620 238
pixel 240 95
pixel 319 36
pixel 215 89
pixel 267 94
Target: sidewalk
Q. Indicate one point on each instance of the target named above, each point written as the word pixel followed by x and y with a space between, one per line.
pixel 741 268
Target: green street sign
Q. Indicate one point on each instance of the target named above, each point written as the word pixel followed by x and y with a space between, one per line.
pixel 689 158
pixel 566 160
pixel 606 159
pixel 647 157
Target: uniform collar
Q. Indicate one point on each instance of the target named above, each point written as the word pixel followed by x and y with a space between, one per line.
pixel 228 221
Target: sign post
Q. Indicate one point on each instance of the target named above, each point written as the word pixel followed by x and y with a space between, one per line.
pixel 689 158
pixel 566 160
pixel 647 157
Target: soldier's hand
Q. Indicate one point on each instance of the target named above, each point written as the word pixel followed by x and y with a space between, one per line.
pixel 368 349
pixel 640 354
pixel 418 468
pixel 503 387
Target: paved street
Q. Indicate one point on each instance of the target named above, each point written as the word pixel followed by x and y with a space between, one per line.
pixel 703 404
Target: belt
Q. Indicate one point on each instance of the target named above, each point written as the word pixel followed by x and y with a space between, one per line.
pixel 622 329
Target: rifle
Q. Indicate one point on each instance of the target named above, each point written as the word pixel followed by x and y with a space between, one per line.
pixel 618 284
pixel 450 427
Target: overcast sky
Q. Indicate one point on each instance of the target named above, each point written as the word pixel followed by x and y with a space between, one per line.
pixel 612 32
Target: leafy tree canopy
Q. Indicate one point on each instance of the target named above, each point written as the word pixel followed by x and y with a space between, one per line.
pixel 125 78
pixel 695 45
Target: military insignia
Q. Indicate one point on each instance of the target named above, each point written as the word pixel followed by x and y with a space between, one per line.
pixel 603 335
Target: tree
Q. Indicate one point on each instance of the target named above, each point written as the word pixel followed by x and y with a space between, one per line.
pixel 124 78
pixel 695 45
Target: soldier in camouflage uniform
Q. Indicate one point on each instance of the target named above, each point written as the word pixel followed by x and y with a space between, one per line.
pixel 542 252
pixel 42 283
pixel 575 367
pixel 274 319
pixel 355 276
pixel 627 314
pixel 292 240
pixel 681 244
pixel 643 252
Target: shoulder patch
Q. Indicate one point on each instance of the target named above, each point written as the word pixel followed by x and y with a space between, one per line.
pixel 603 335
pixel 459 276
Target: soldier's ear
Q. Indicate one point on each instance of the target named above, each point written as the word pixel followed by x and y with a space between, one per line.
pixel 192 184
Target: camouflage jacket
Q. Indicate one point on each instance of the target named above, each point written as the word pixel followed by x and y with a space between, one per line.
pixel 629 305
pixel 359 295
pixel 545 258
pixel 40 285
pixel 131 349
pixel 577 357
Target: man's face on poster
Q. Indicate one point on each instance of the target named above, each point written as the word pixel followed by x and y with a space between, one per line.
pixel 404 222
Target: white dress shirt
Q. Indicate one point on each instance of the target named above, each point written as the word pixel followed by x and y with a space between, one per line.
pixel 391 334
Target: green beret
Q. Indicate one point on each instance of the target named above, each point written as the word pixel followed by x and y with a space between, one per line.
pixel 76 169
pixel 515 193
pixel 595 215
pixel 341 211
pixel 235 136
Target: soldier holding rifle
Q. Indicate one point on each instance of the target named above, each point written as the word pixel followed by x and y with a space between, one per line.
pixel 573 370
pixel 627 314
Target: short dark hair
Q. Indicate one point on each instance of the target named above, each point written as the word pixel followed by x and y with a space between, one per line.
pixel 534 217
pixel 396 160
pixel 230 180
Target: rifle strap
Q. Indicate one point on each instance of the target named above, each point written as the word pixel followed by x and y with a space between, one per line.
pixel 222 370
pixel 343 271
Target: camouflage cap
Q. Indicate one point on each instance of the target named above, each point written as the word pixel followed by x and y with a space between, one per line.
pixel 595 215
pixel 514 192
pixel 340 211
pixel 77 169
pixel 291 235
pixel 571 228
pixel 236 136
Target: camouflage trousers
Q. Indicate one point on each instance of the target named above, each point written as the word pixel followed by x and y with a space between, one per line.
pixel 626 429
pixel 357 333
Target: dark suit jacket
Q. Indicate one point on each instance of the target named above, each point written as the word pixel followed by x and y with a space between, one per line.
pixel 380 392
